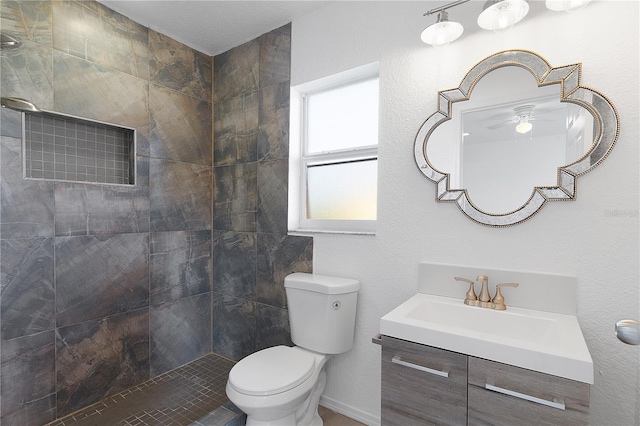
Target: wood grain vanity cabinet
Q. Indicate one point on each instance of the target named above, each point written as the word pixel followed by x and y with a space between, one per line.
pixel 422 385
pixel 413 391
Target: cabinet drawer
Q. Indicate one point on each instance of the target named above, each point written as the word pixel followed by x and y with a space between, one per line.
pixel 422 385
pixel 507 395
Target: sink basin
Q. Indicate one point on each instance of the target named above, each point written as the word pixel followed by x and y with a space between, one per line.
pixel 511 325
pixel 541 341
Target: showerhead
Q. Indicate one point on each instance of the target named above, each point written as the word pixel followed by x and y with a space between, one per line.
pixel 18 104
pixel 8 43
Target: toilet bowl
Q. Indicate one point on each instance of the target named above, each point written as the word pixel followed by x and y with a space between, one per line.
pixel 279 386
pixel 282 385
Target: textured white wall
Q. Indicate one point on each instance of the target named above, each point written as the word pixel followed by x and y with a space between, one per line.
pixel 595 238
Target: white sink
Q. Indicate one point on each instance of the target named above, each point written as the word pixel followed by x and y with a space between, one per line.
pixel 541 341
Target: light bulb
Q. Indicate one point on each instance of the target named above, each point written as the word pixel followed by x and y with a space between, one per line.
pixel 524 127
pixel 503 21
pixel 502 15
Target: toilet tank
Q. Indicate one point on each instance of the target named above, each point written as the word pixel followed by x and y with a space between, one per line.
pixel 322 311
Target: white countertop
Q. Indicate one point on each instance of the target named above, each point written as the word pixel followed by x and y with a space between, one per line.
pixel 547 342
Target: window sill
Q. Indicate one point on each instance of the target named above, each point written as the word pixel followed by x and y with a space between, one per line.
pixel 312 232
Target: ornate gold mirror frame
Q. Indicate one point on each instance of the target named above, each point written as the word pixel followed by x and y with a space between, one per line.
pixel 568 77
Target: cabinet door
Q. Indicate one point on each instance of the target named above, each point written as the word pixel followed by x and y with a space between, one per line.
pixel 501 394
pixel 422 385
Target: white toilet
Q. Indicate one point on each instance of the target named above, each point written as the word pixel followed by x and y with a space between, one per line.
pixel 281 386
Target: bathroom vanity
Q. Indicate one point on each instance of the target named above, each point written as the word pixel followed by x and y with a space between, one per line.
pixel 445 360
pixel 426 385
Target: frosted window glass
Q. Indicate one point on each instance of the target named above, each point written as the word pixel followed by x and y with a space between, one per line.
pixel 343 118
pixel 343 191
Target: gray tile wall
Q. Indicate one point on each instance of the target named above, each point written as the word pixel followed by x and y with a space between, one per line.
pixel 252 251
pixel 136 291
pixel 102 286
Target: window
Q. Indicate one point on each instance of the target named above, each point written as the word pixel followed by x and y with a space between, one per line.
pixel 334 153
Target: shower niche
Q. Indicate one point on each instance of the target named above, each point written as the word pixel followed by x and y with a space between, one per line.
pixel 66 148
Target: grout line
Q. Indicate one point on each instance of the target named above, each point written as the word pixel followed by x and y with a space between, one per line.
pixel 174 397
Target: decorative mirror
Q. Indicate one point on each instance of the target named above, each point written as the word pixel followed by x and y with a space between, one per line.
pixel 525 137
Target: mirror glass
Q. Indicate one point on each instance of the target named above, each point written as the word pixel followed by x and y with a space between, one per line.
pixel 515 134
pixel 508 138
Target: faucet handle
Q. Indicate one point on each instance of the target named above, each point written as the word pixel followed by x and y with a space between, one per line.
pixel 498 300
pixel 470 298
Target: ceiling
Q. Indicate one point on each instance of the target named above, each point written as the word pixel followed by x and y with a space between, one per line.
pixel 215 26
pixel 212 26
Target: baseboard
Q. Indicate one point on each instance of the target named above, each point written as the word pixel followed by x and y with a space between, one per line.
pixel 346 410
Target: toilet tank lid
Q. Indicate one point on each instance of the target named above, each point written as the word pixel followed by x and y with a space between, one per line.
pixel 321 283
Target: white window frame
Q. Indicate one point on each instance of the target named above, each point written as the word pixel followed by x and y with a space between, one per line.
pixel 299 159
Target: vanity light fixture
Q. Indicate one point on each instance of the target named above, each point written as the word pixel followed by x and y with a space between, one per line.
pixel 442 32
pixel 496 15
pixel 501 15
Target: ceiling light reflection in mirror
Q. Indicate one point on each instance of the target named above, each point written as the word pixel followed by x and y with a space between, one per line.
pixel 512 136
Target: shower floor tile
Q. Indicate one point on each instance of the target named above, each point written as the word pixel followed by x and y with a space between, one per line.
pixel 193 394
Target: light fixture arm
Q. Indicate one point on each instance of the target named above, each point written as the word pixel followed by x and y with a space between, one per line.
pixel 446 6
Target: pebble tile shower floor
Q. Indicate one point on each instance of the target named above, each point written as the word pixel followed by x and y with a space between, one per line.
pixel 193 394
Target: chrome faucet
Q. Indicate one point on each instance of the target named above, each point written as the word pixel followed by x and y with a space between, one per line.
pixel 485 300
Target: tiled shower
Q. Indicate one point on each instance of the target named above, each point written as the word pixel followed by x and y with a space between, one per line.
pixel 105 286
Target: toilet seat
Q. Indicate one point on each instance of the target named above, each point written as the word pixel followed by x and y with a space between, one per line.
pixel 272 371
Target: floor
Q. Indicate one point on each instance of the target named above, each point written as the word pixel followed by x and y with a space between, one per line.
pixel 331 418
pixel 191 395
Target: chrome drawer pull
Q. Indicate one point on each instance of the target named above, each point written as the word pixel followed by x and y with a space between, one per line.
pixel 396 360
pixel 553 404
